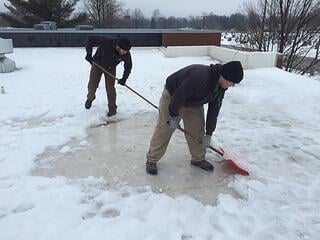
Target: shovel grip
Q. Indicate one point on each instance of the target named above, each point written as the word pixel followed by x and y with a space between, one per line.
pixel 216 150
pixel 200 141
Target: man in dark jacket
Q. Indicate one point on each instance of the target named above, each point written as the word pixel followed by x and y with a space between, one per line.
pixel 109 54
pixel 185 93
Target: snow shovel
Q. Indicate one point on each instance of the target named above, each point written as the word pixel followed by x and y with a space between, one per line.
pixel 233 163
pixel 238 169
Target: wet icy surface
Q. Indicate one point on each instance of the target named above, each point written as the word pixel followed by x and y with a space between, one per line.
pixel 116 149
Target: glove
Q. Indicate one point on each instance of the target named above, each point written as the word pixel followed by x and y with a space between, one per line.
pixel 89 58
pixel 122 81
pixel 173 122
pixel 206 141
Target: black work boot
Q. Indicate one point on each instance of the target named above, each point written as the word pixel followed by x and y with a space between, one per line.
pixel 110 114
pixel 151 168
pixel 88 104
pixel 204 164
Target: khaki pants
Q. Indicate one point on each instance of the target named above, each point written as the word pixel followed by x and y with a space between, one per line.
pixel 95 77
pixel 193 121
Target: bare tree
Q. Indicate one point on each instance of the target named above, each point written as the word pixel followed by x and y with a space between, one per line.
pixel 288 26
pixel 155 18
pixel 103 13
pixel 253 24
pixel 138 19
pixel 298 32
pixel 263 24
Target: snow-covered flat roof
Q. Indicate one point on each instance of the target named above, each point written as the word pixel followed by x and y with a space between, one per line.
pixel 270 121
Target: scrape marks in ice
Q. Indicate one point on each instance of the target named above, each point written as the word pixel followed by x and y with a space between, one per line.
pixel 35 121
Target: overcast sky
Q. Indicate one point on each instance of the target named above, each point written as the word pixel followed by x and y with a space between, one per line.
pixel 180 8
pixel 185 8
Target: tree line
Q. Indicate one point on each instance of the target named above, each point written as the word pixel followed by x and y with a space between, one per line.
pixel 107 14
pixel 290 27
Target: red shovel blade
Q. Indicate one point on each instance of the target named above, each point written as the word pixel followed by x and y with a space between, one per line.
pixel 231 163
pixel 236 167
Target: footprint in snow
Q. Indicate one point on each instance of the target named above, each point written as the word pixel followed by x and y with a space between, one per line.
pixel 23 208
pixel 110 213
pixel 89 215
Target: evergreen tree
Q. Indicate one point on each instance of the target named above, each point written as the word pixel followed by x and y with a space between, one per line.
pixel 26 13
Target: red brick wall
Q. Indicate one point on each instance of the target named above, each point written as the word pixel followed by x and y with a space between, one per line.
pixel 191 39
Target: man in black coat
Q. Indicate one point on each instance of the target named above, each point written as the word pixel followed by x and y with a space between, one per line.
pixel 185 93
pixel 109 54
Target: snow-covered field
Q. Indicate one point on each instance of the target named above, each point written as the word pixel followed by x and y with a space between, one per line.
pixel 271 121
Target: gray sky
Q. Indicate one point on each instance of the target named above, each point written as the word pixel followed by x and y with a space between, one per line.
pixel 180 8
pixel 185 8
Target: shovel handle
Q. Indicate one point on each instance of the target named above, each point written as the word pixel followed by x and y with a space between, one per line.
pixel 200 141
pixel 111 75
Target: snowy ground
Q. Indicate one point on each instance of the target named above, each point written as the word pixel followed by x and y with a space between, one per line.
pixel 233 39
pixel 271 121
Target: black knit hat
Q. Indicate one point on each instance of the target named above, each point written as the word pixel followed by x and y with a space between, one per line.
pixel 232 71
pixel 124 43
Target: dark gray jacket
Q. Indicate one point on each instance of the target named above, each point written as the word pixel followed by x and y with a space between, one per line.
pixel 196 85
pixel 106 54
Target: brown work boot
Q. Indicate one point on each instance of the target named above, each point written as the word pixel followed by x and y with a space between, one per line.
pixel 88 104
pixel 151 168
pixel 204 164
pixel 110 114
